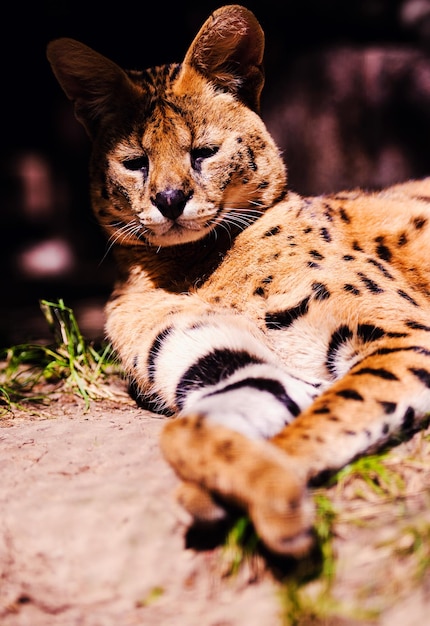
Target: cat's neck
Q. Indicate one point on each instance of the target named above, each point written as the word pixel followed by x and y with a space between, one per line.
pixel 176 268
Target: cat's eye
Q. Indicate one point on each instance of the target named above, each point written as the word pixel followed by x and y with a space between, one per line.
pixel 198 155
pixel 137 164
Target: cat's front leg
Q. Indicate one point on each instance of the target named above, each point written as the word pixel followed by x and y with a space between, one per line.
pixel 387 393
pixel 250 474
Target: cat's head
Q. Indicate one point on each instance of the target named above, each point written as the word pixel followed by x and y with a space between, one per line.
pixel 178 150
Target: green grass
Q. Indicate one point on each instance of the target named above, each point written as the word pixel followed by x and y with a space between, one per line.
pixel 69 363
pixel 307 590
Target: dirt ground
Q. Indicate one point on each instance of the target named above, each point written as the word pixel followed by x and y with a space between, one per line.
pixel 90 535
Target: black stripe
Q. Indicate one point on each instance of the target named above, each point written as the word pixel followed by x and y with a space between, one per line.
pixel 381 268
pixel 382 250
pixel 325 234
pixel 321 291
pixel 283 319
pixel 417 325
pixel 418 349
pixel 344 216
pixel 273 231
pixel 389 407
pixel 269 385
pixel 350 394
pixel 378 372
pixel 211 369
pixel 402 240
pixel 322 410
pixel 408 419
pixel 155 349
pixel 407 297
pixel 419 222
pixel 351 289
pixel 370 284
pixel 369 332
pixel 422 375
pixel 340 336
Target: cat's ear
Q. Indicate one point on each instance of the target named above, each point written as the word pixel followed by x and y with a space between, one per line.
pixel 228 50
pixel 92 82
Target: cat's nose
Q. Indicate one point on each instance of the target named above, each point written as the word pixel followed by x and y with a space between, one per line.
pixel 171 202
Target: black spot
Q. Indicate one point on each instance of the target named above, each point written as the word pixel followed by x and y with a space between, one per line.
pixel 339 337
pixel 274 387
pixel 419 222
pixel 385 428
pixel 344 215
pixel 370 284
pixel 316 255
pixel 307 230
pixel 328 212
pixel 381 268
pixel 259 291
pixel 408 419
pixel 155 349
pixel 283 319
pixel 417 325
pixel 407 297
pixel 263 185
pixel 325 234
pixel 388 407
pixel 350 394
pixel 348 257
pixel 211 369
pixel 251 159
pixel 422 374
pixel 369 332
pixel 382 250
pixel 356 246
pixel 23 599
pixel 273 231
pixel 351 289
pixel 402 240
pixel 267 280
pixel 225 450
pixel 322 410
pixel 321 291
pixel 379 372
pixel 313 265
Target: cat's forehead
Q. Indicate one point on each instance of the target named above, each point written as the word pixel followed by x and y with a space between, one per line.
pixel 156 81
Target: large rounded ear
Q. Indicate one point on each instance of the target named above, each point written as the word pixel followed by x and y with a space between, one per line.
pixel 95 84
pixel 228 50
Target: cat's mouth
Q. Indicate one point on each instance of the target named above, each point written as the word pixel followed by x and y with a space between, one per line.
pixel 176 232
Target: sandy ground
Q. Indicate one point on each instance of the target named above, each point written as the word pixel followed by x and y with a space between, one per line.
pixel 90 534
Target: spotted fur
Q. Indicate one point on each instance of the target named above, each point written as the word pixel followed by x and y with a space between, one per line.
pixel 286 334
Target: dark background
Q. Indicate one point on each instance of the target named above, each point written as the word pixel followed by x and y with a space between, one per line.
pixel 347 97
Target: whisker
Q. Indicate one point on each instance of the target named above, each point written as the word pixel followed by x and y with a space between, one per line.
pixel 132 228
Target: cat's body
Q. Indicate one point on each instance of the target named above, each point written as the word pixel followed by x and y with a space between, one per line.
pixel 250 312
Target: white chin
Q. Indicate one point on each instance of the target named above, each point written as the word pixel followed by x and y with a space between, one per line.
pixel 176 236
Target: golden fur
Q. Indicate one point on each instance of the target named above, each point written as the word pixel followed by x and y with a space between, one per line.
pixel 288 334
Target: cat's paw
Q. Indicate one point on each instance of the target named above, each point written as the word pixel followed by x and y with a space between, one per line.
pixel 252 475
pixel 199 504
